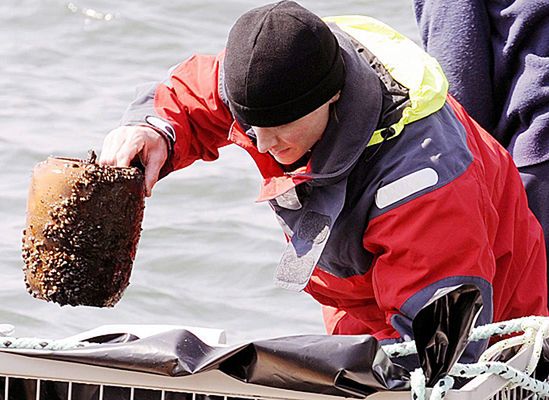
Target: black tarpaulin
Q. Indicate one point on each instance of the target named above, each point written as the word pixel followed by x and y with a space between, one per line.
pixel 442 327
pixel 351 366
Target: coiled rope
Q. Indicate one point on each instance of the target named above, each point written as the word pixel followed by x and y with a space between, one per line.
pixel 535 329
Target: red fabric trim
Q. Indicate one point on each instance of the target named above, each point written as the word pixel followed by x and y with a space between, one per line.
pixel 268 167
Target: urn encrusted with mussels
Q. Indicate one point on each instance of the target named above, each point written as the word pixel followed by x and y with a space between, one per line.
pixel 83 227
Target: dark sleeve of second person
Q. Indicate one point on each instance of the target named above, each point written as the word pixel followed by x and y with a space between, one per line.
pixel 457 34
pixel 496 57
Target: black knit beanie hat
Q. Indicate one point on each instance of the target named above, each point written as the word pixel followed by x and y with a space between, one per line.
pixel 281 63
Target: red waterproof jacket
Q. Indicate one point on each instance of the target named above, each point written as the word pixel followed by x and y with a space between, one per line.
pixel 472 225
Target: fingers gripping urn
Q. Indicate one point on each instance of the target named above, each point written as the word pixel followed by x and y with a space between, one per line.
pixel 83 226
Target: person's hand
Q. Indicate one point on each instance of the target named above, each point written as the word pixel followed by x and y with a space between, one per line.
pixel 125 143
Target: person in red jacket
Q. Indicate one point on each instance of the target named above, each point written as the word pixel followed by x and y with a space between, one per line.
pixel 386 189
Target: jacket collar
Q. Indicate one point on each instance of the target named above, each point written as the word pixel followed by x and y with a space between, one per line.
pixel 356 117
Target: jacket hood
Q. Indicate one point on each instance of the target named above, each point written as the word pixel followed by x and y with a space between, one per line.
pixel 347 135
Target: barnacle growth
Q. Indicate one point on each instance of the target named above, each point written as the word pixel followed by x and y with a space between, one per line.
pixel 83 227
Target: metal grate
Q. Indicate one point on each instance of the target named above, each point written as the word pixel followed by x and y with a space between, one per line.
pixel 12 388
pixel 514 394
pixel 25 377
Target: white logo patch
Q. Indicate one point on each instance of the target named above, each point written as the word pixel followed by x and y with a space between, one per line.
pixel 161 124
pixel 405 186
pixel 289 200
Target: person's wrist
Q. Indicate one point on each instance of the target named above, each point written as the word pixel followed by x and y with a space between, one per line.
pixel 168 139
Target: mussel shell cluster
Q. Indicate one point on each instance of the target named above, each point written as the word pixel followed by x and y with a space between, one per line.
pixel 83 227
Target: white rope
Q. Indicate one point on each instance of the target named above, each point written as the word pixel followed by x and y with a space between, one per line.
pixel 400 349
pixel 535 330
pixel 417 383
pixel 441 388
pixel 479 333
pixel 40 344
pixel 498 329
pixel 542 333
pixel 513 375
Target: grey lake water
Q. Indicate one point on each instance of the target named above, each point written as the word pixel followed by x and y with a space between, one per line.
pixel 207 252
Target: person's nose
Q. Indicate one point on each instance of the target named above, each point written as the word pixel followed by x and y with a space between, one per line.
pixel 266 139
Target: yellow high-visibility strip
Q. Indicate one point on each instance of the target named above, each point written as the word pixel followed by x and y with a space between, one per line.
pixel 407 63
